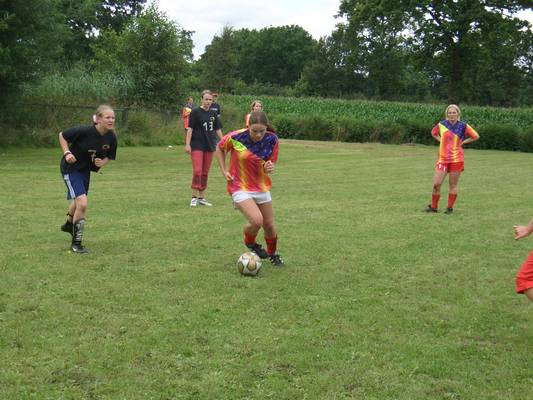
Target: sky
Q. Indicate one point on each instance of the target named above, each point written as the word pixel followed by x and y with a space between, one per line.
pixel 208 18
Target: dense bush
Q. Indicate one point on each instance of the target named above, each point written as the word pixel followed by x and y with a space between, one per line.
pixel 39 124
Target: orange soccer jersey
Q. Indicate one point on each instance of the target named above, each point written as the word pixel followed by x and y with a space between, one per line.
pixel 451 140
pixel 247 159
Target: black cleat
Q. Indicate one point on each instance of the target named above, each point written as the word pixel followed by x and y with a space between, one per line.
pixel 68 227
pixel 276 260
pixel 258 249
pixel 430 209
pixel 449 210
pixel 78 248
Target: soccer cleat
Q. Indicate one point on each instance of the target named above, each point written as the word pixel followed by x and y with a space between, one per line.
pixel 430 209
pixel 194 202
pixel 68 227
pixel 204 202
pixel 276 260
pixel 258 249
pixel 78 248
pixel 449 210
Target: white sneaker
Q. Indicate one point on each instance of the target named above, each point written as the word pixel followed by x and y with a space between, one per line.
pixel 194 202
pixel 204 202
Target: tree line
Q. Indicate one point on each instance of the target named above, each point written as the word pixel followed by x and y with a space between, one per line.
pixel 128 51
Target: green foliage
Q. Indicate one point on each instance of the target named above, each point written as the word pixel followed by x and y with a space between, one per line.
pixel 79 86
pixel 31 37
pixel 85 19
pixel 499 136
pixel 526 140
pixel 273 56
pixel 468 51
pixel 38 125
pixel 151 51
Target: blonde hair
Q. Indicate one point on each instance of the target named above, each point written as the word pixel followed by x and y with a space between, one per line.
pixel 101 108
pixel 453 106
pixel 206 91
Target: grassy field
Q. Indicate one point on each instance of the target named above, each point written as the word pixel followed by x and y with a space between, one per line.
pixel 378 300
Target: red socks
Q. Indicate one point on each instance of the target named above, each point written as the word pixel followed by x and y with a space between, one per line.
pixel 249 239
pixel 435 201
pixel 451 199
pixel 272 244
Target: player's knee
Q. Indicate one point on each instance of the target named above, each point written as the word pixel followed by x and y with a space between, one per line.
pixel 81 203
pixel 268 226
pixel 256 222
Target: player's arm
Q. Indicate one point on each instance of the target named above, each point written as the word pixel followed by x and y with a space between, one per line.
pixel 521 231
pixel 435 132
pixel 69 157
pixel 220 155
pixel 472 135
pixel 219 134
pixel 188 137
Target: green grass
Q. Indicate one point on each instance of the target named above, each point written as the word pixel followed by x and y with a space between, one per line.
pixel 378 299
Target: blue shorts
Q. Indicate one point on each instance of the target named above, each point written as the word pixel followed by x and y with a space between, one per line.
pixel 77 183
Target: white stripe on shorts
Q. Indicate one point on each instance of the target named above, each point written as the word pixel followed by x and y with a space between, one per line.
pixel 66 177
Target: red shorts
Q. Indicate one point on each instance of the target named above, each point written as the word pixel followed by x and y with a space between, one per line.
pixel 524 277
pixel 451 167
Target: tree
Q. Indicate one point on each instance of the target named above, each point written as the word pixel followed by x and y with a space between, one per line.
pixel 218 64
pixel 443 35
pixel 272 56
pixel 85 20
pixel 153 51
pixel 275 55
pixel 31 34
pixel 329 72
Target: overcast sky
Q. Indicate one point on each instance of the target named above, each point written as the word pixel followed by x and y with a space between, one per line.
pixel 208 18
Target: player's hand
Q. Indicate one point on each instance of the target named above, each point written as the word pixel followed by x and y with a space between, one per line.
pixel 269 167
pixel 521 231
pixel 228 176
pixel 99 162
pixel 70 158
pixel 188 149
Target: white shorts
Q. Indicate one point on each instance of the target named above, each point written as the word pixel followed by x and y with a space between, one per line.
pixel 258 197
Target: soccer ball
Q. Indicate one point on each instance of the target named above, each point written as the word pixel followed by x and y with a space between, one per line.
pixel 249 264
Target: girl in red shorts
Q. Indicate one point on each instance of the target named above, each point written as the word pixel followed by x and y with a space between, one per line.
pixel 524 277
pixel 452 133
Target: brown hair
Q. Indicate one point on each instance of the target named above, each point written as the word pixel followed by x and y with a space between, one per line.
pixel 258 117
pixel 254 103
pixel 206 91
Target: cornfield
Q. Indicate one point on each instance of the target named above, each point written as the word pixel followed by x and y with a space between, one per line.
pixel 381 111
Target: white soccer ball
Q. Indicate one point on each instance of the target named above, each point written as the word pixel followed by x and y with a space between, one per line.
pixel 249 264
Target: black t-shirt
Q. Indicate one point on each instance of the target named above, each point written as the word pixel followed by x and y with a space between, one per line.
pixel 216 107
pixel 204 125
pixel 86 144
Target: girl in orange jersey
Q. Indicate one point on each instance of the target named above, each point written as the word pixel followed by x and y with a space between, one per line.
pixel 186 111
pixel 253 154
pixel 452 133
pixel 524 277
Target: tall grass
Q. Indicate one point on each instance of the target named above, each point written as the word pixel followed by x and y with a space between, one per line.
pixel 78 86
